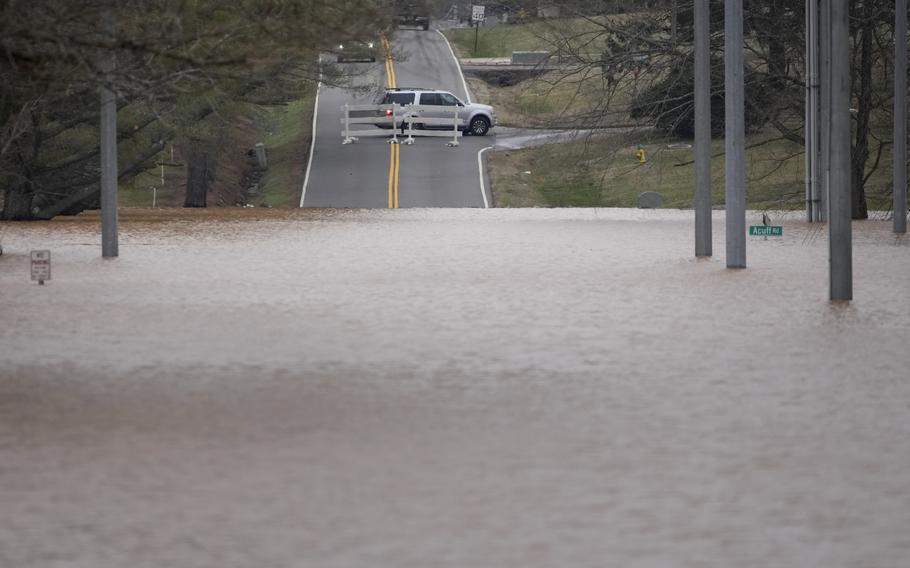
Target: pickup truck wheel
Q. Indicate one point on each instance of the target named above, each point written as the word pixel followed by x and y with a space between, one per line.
pixel 479 126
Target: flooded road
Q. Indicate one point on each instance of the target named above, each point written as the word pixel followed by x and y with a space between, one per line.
pixel 450 388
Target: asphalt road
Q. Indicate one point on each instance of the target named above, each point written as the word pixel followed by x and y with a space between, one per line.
pixel 374 174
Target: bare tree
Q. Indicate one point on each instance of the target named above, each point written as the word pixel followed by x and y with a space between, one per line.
pixel 640 71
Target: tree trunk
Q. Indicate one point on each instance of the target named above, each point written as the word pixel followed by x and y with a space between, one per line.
pixel 199 173
pixel 858 207
pixel 17 204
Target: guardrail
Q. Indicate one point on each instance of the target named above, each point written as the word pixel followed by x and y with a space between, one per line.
pixel 412 119
pixel 530 57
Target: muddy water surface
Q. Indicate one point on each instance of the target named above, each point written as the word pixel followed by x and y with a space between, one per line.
pixel 534 388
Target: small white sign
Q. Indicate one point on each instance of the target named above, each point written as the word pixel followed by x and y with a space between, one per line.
pixel 41 266
pixel 477 13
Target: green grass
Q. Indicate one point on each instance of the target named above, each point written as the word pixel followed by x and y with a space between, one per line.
pixel 502 40
pixel 573 101
pixel 556 98
pixel 498 41
pixel 288 130
pixel 606 173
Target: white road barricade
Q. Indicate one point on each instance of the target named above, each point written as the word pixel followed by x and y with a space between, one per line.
pixel 374 115
pixel 416 120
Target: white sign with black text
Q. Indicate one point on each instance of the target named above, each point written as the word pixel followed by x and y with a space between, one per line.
pixel 41 265
pixel 477 13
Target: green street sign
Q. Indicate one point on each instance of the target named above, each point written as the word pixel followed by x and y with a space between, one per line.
pixel 766 230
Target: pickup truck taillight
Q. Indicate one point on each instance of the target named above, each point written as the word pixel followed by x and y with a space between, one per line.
pixel 388 112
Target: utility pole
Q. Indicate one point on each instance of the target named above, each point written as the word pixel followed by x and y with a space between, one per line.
pixel 812 116
pixel 899 176
pixel 109 238
pixel 840 235
pixel 703 245
pixel 734 115
pixel 824 150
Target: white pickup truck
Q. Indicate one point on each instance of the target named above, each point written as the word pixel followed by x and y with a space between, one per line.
pixel 476 119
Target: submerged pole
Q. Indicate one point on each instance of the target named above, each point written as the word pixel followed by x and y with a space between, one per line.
pixel 811 122
pixel 824 98
pixel 703 245
pixel 734 114
pixel 109 237
pixel 840 245
pixel 899 176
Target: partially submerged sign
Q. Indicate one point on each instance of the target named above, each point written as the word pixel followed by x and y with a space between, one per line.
pixel 41 266
pixel 766 230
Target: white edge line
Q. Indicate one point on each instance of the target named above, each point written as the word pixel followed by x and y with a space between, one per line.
pixel 467 92
pixel 309 165
pixel 483 188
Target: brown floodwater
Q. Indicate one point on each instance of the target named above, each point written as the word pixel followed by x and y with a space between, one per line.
pixel 450 388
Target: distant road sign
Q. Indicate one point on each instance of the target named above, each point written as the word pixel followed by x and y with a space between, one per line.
pixel 41 265
pixel 766 230
pixel 477 13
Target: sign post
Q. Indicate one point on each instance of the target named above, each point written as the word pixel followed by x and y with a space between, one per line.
pixel 477 16
pixel 41 266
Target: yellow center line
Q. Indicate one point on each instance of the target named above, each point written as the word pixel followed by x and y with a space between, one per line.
pixel 391 176
pixel 394 157
pixel 397 156
pixel 394 152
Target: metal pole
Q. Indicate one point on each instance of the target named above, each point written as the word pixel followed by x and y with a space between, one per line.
pixel 734 160
pixel 807 123
pixel 109 237
pixel 839 230
pixel 702 130
pixel 824 150
pixel 811 122
pixel 900 117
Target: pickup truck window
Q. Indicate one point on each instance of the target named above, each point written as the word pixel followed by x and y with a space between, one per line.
pixel 430 99
pixel 447 99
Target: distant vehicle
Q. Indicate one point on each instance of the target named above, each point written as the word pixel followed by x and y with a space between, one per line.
pixel 412 13
pixel 356 50
pixel 476 119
